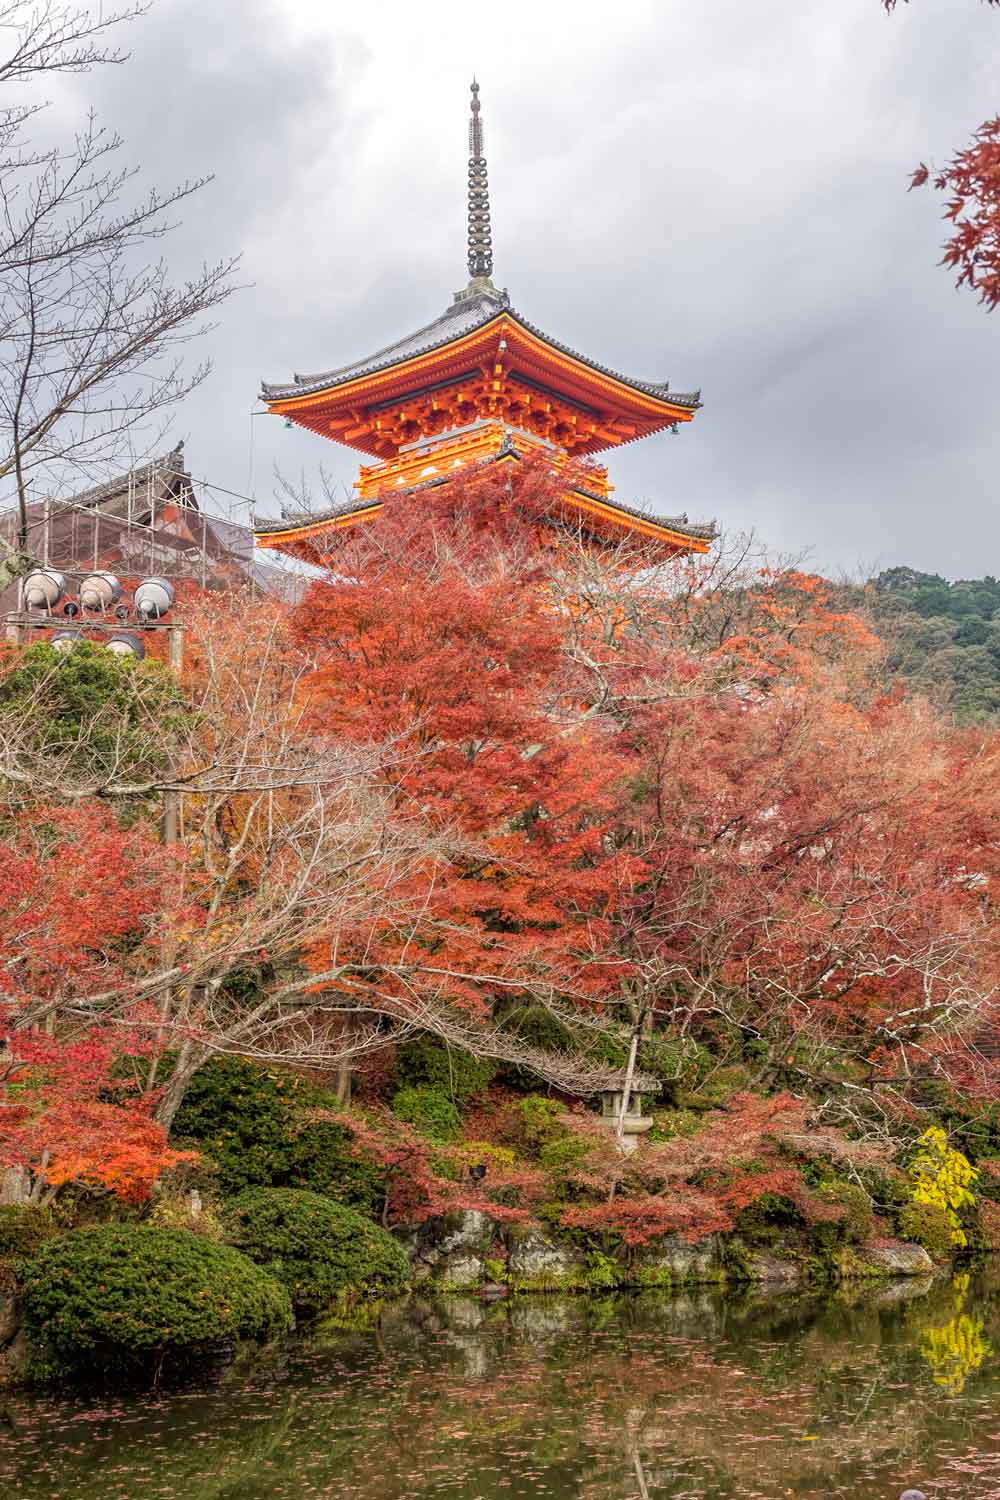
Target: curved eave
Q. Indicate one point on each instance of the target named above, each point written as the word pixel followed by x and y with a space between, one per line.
pixel 652 407
pixel 277 536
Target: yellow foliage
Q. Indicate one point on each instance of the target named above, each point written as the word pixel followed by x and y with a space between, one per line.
pixel 957 1349
pixel 942 1176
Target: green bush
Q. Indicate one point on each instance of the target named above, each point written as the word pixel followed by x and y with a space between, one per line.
pixel 716 1089
pixel 317 1249
pixel 768 1219
pixel 539 1028
pixel 886 1187
pixel 539 1120
pixel 544 1136
pixel 459 1075
pixel 678 1062
pixel 127 1300
pixel 429 1109
pixel 95 710
pixel 674 1124
pixel 252 1122
pixel 928 1225
pixel 24 1229
pixel 858 1223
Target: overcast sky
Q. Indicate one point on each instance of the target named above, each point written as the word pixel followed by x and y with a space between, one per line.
pixel 711 192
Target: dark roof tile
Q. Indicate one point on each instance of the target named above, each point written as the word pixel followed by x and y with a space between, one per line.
pixel 463 316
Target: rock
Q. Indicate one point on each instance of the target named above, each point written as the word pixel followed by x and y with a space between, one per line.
pixel 453 1251
pixel 898 1260
pixel 536 1262
pixel 16 1359
pixel 670 1260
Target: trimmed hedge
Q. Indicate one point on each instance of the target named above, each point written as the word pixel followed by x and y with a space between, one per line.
pixel 429 1110
pixel 459 1075
pixel 318 1250
pixel 126 1300
pixel 252 1122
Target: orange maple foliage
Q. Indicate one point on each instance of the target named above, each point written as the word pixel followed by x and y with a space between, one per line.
pixel 702 802
pixel 65 1116
pixel 77 894
pixel 442 646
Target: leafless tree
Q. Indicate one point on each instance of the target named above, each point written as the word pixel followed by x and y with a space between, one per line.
pixel 92 326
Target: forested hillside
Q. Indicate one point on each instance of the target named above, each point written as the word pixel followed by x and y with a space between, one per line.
pixel 943 638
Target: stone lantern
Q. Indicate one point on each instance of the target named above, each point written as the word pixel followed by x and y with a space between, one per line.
pixel 635 1123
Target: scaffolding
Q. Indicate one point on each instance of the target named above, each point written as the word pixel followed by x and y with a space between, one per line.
pixel 147 522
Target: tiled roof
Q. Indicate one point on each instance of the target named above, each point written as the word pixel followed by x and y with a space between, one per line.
pixel 460 318
pixel 124 515
pixel 263 525
pixel 156 476
pixel 464 316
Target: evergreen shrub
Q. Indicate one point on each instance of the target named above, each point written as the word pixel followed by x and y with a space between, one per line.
pixel 253 1122
pixel 768 1219
pixel 24 1229
pixel 927 1224
pixel 127 1300
pixel 319 1250
pixel 458 1074
pixel 429 1109
pixel 541 1132
pixel 715 1089
pixel 95 709
pixel 858 1222
pixel 677 1061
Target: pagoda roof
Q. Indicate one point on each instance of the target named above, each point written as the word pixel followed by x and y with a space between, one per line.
pixel 292 525
pixel 470 311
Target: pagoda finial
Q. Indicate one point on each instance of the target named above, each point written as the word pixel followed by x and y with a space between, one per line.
pixel 480 234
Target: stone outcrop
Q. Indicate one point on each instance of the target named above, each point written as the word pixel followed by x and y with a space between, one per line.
pixel 671 1260
pixel 897 1260
pixel 470 1251
pixel 537 1262
pixel 453 1252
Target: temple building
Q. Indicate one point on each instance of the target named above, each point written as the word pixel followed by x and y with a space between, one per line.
pixel 144 521
pixel 479 384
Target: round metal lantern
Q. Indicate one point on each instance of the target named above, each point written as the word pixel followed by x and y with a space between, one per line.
pixel 154 598
pixel 99 591
pixel 43 588
pixel 127 645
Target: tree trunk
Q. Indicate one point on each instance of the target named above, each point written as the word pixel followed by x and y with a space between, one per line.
pixel 627 1089
pixel 188 1061
pixel 14 1186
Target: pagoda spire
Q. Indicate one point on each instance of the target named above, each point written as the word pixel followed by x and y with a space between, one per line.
pixel 480 233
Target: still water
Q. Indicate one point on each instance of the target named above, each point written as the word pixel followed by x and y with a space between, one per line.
pixel 860 1394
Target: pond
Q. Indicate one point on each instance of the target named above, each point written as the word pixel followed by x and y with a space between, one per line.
pixel 858 1393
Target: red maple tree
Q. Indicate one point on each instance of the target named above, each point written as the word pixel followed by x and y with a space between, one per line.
pixel 67 1115
pixel 78 895
pixel 971 183
pixel 690 806
pixel 442 645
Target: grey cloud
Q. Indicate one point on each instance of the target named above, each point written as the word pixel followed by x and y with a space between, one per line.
pixel 713 194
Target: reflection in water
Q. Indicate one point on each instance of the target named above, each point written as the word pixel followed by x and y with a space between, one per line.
pixel 957 1349
pixel 692 1397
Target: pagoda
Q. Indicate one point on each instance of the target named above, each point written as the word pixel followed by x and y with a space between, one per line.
pixel 478 385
